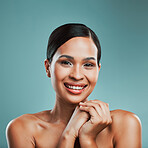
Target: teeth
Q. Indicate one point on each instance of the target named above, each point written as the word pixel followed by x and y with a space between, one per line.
pixel 74 87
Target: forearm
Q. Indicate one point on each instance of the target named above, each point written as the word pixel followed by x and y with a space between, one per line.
pixel 67 140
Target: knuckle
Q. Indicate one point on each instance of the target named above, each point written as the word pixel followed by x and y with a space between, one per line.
pixel 107 104
pixel 91 100
pixel 109 121
pixel 96 100
pixel 96 105
pixel 105 121
pixel 88 108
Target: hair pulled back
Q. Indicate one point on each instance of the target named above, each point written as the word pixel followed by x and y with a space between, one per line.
pixel 67 31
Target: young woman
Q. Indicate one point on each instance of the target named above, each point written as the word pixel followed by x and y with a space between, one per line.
pixel 72 63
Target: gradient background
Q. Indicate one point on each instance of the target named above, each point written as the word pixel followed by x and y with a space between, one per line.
pixel 25 25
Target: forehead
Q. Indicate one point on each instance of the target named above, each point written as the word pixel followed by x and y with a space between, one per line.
pixel 78 47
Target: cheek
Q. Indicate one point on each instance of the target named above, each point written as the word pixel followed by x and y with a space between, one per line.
pixel 93 77
pixel 59 73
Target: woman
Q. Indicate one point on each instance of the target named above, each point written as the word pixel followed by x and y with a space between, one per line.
pixel 72 63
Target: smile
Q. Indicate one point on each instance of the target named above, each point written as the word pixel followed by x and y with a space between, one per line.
pixel 75 88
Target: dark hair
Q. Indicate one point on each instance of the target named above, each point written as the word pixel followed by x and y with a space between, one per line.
pixel 67 31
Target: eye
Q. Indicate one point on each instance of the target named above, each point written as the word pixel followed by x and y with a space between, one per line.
pixel 66 63
pixel 88 65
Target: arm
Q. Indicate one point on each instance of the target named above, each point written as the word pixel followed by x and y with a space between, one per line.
pixel 17 135
pixel 70 133
pixel 87 142
pixel 128 131
pixel 67 139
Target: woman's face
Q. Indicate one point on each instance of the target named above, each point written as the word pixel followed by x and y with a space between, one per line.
pixel 74 70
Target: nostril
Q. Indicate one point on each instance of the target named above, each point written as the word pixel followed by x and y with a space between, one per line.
pixel 75 76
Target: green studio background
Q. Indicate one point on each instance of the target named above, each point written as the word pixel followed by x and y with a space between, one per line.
pixel 25 25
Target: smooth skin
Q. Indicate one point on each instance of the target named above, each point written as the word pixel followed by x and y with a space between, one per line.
pixel 75 121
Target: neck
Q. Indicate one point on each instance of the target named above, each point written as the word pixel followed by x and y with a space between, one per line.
pixel 62 111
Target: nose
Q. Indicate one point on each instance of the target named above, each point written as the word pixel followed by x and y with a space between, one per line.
pixel 76 73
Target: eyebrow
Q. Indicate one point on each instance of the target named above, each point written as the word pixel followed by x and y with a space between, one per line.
pixel 70 57
pixel 66 56
pixel 89 58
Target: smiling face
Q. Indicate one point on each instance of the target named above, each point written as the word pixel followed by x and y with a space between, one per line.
pixel 74 70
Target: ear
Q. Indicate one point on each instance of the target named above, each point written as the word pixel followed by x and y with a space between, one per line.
pixel 47 67
pixel 99 66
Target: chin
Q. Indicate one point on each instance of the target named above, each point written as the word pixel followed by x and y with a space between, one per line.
pixel 76 99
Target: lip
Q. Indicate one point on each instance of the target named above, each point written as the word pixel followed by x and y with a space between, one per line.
pixel 75 91
pixel 75 84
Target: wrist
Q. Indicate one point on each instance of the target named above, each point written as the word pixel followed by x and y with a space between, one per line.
pixel 69 134
pixel 86 141
pixel 67 139
pixel 89 137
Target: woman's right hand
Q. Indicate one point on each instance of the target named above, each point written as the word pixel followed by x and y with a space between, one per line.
pixel 71 131
pixel 76 122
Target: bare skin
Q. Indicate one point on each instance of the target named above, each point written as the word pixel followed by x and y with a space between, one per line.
pixel 74 121
pixel 43 132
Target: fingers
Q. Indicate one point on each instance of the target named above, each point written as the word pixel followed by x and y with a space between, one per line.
pixel 94 116
pixel 98 110
pixel 105 108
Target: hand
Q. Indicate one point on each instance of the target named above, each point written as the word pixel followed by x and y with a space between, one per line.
pixel 76 121
pixel 99 118
pixel 70 133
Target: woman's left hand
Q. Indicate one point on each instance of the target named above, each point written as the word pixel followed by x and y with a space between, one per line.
pixel 100 118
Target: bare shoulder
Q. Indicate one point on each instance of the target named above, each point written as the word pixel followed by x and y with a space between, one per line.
pixel 29 121
pixel 25 122
pixel 126 128
pixel 20 131
pixel 125 117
